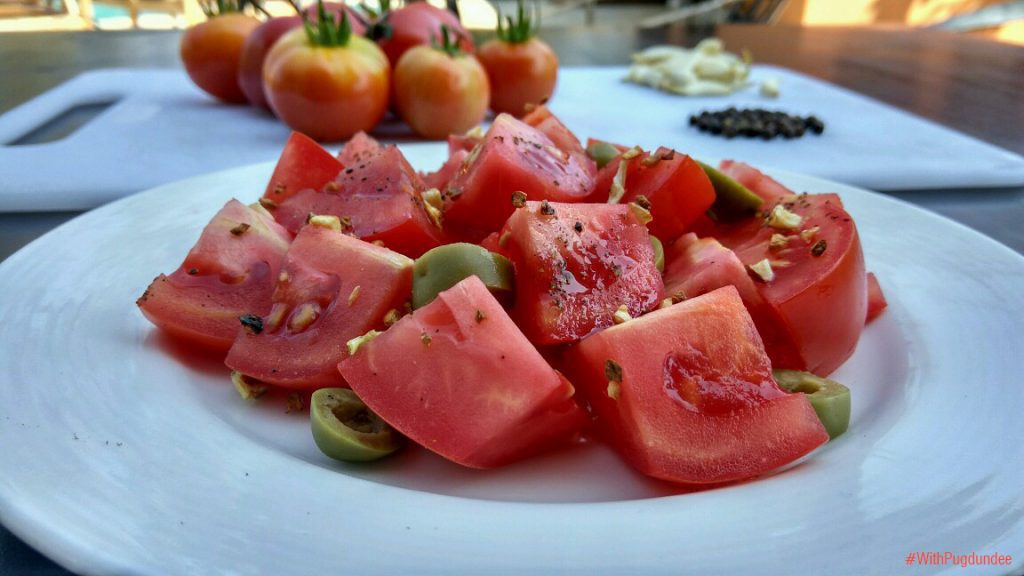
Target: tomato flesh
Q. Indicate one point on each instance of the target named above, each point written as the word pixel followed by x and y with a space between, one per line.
pixel 542 119
pixel 576 264
pixel 378 199
pixel 686 394
pixel 695 266
pixel 229 272
pixel 303 165
pixel 514 157
pixel 359 148
pixel 332 288
pixel 876 299
pixel 819 289
pixel 460 379
pixel 676 186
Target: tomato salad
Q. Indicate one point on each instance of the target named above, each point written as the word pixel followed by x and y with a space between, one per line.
pixel 532 292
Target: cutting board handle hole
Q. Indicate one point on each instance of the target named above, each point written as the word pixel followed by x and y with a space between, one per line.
pixel 63 124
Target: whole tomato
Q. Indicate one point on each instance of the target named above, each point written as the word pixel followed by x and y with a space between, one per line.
pixel 522 68
pixel 211 52
pixel 414 24
pixel 259 42
pixel 326 82
pixel 440 90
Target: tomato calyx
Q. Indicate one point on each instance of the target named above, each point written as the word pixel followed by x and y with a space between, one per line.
pixel 328 31
pixel 450 42
pixel 520 29
pixel 380 29
pixel 214 8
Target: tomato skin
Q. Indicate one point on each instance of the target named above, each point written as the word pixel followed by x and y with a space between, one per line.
pixel 211 52
pixel 522 75
pixel 327 93
pixel 689 395
pixel 420 23
pixel 439 94
pixel 819 301
pixel 224 275
pixel 457 377
pixel 257 45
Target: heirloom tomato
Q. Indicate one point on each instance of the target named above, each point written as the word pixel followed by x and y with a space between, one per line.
pixel 440 90
pixel 260 40
pixel 522 68
pixel 414 24
pixel 211 52
pixel 325 81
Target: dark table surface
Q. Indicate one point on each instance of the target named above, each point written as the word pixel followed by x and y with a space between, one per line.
pixel 969 84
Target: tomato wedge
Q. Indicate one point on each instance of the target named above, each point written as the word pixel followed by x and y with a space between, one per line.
pixel 332 288
pixel 811 272
pixel 676 186
pixel 229 272
pixel 514 157
pixel 576 264
pixel 686 394
pixel 378 199
pixel 460 379
pixel 303 165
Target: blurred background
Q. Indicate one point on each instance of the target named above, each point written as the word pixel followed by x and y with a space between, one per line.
pixel 997 19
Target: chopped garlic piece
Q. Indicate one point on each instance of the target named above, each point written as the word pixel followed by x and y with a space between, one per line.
pixel 354 295
pixel 247 388
pixel 618 188
pixel 706 70
pixel 614 390
pixel 329 222
pixel 763 269
pixel 778 242
pixel 642 214
pixel 621 315
pixel 809 234
pixel 782 219
pixel 770 88
pixel 353 345
pixel 433 203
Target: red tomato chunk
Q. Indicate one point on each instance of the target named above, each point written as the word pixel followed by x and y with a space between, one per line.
pixel 377 198
pixel 686 394
pixel 676 186
pixel 303 165
pixel 459 378
pixel 229 272
pixel 576 264
pixel 514 157
pixel 817 288
pixel 332 288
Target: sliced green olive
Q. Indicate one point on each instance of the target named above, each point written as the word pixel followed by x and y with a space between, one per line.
pixel 601 152
pixel 659 253
pixel 345 429
pixel 830 399
pixel 732 199
pixel 445 266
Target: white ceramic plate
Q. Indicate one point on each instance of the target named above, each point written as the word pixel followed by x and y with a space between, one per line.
pixel 121 453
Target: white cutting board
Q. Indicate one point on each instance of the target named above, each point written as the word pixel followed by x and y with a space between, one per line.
pixel 161 128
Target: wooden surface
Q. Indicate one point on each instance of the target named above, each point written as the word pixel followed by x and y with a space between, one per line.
pixel 966 83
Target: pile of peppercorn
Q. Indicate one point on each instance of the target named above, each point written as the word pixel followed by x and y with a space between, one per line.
pixel 756 123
